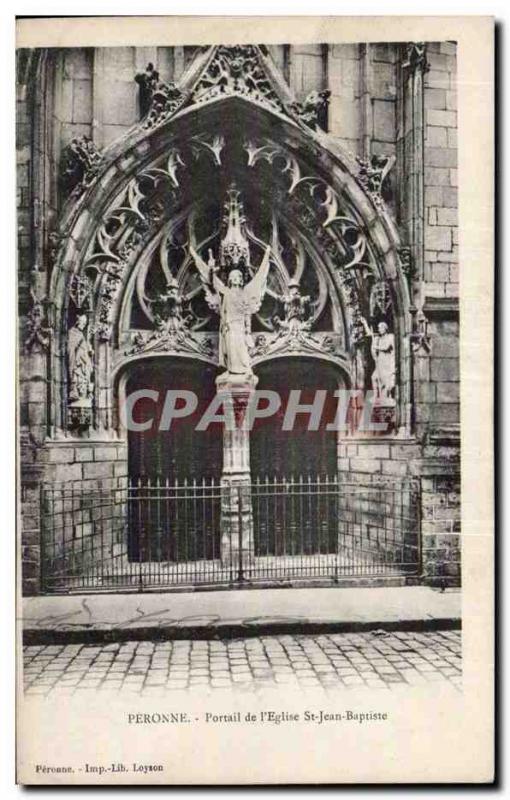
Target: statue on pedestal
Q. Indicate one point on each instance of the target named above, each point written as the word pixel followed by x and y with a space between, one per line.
pixel 383 353
pixel 80 363
pixel 236 301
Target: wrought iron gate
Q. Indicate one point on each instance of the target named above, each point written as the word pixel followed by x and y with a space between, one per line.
pixel 149 534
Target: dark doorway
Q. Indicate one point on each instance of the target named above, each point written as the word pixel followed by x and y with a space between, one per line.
pixel 173 473
pixel 300 451
pixel 298 522
pixel 180 453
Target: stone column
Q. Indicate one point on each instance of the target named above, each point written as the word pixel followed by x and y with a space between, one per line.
pixel 237 547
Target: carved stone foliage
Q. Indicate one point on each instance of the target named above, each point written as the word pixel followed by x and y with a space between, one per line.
pixel 297 342
pixel 415 58
pixel 38 328
pixel 297 311
pixel 159 100
pixel 231 70
pixel 373 173
pixel 81 162
pixel 317 206
pixel 137 213
pixel 170 341
pixel 171 328
pixel 406 263
pixel 81 292
pixel 380 299
pixel 55 240
pixel 312 112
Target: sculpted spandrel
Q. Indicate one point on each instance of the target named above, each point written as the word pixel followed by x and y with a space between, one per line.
pixel 235 304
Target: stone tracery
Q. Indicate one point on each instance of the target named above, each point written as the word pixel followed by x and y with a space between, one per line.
pixel 320 245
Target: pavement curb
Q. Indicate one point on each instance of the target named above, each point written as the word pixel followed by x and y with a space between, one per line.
pixel 241 630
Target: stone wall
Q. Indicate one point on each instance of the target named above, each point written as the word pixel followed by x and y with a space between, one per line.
pixel 424 474
pixel 86 465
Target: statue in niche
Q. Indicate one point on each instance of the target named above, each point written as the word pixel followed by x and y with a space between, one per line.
pixel 383 352
pixel 80 363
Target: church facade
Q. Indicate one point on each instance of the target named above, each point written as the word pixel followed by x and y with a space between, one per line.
pixel 269 232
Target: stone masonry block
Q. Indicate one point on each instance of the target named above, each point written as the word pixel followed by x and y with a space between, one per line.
pixel 435 176
pixel 445 119
pixel 384 120
pixel 61 455
pixel 365 465
pixel 448 392
pixel 452 137
pixel 82 101
pixel 345 51
pixel 373 450
pixel 440 273
pixel 447 216
pixel 436 136
pixel 440 157
pixel 83 454
pixel 434 194
pixel 102 469
pixel 451 100
pixel 105 453
pixel 449 48
pixel 435 98
pixel 398 468
pixel 450 197
pixel 444 369
pixel 437 80
pixel 445 413
pixel 438 62
pixel 67 472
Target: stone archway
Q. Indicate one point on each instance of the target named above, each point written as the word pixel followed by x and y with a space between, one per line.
pixel 177 164
pixel 127 289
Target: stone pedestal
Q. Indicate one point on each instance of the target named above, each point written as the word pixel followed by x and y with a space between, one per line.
pixel 237 547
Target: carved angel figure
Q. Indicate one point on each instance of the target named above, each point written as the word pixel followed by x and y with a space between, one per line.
pixel 235 304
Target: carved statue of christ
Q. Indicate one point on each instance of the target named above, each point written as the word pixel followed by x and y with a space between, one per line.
pixel 235 304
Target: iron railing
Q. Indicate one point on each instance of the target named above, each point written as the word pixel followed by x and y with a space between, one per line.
pixel 151 533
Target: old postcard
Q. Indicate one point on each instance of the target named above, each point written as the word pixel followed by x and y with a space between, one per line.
pixel 255 277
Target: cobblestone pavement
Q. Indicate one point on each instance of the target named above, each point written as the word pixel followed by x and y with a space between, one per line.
pixel 331 661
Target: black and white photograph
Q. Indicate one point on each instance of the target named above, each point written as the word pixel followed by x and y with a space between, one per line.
pixel 238 382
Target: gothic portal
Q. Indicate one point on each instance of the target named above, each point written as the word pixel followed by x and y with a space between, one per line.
pixel 232 228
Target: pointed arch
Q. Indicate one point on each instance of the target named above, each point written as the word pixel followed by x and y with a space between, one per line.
pixel 156 176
